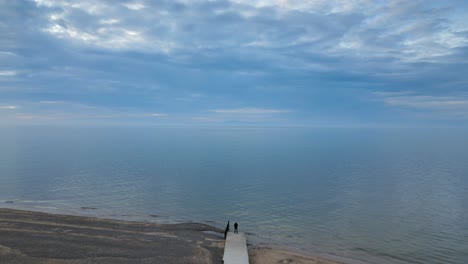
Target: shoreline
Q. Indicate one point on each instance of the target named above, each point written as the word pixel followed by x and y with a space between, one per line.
pixel 42 237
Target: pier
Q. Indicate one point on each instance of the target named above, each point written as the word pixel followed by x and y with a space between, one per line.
pixel 235 249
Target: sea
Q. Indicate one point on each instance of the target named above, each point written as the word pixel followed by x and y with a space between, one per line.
pixel 360 195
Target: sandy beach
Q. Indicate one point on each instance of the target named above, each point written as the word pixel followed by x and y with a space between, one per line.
pixel 35 237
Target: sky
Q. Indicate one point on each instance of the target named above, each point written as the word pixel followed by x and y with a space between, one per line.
pixel 234 62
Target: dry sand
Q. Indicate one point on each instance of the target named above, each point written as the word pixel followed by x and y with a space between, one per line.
pixel 41 238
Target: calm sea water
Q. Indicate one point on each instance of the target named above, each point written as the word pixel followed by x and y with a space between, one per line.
pixel 377 196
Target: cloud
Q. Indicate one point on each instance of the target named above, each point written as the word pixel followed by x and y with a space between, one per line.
pixel 250 110
pixel 7 53
pixel 9 107
pixel 65 105
pixel 35 117
pixel 445 106
pixel 7 73
pixel 326 6
pixel 109 21
pixel 293 34
pixel 302 59
pixel 158 114
pixel 405 31
pixel 207 119
pixel 52 102
pixel 134 6
pixel 421 101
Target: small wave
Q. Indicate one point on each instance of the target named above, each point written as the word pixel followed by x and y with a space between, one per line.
pixel 46 207
pixel 88 208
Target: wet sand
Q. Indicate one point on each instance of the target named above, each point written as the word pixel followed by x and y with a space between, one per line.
pixel 280 256
pixel 34 237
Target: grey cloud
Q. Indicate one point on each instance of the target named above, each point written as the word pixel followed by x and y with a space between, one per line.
pixel 399 31
pixel 65 49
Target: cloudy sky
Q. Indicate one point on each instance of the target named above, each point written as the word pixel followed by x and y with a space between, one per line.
pixel 234 62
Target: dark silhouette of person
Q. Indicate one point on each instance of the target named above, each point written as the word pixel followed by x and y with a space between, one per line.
pixel 226 230
pixel 235 228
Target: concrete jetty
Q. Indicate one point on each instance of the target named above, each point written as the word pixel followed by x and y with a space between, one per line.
pixel 235 249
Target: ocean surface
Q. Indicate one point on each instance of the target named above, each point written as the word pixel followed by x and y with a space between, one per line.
pixel 363 195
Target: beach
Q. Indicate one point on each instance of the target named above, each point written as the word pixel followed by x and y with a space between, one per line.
pixel 43 238
pixel 269 255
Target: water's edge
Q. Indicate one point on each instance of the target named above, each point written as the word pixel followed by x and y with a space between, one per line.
pixel 253 241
